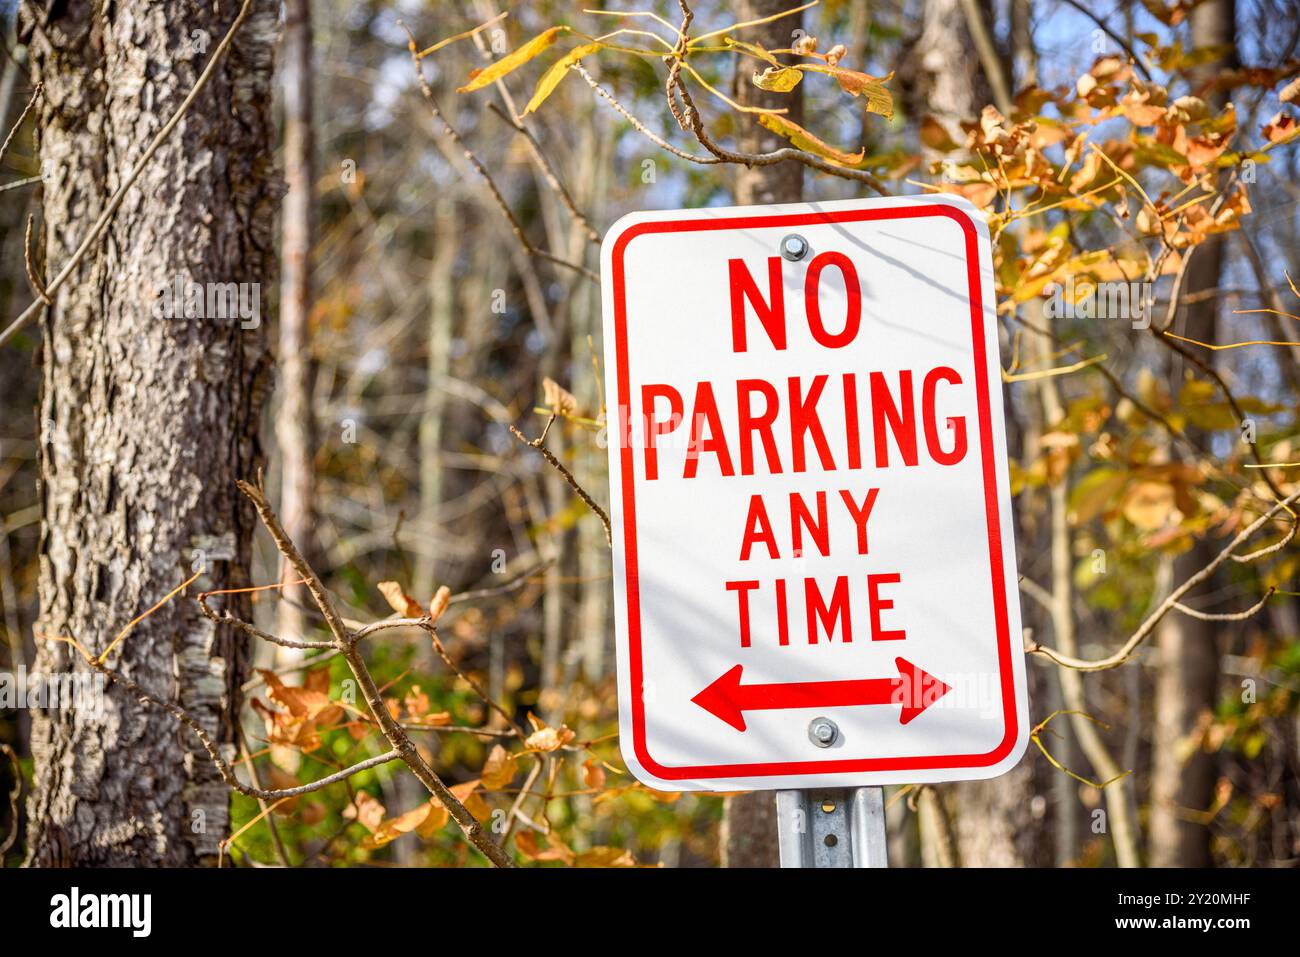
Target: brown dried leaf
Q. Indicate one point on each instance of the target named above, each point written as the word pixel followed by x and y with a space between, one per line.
pixel 934 136
pixel 439 602
pixel 425 820
pixel 593 774
pixel 872 88
pixel 400 601
pixel 416 702
pixel 499 769
pixel 1281 128
pixel 557 398
pixel 526 842
pixel 549 739
pixel 366 810
pixel 804 44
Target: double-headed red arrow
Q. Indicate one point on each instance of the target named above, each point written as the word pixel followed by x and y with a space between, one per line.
pixel 914 689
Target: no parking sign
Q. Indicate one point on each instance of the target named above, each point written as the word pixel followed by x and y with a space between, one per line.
pixel 814 569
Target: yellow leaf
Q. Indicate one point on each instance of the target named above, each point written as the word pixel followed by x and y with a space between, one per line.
pixel 778 79
pixel 552 77
pixel 804 140
pixel 511 61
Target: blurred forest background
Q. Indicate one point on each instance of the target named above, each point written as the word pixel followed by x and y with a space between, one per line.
pixel 420 309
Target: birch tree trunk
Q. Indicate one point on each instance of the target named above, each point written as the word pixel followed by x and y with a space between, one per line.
pixel 294 424
pixel 146 420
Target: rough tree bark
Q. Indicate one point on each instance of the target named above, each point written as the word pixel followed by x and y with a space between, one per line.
pixel 748 835
pixel 1182 774
pixel 294 424
pixel 146 421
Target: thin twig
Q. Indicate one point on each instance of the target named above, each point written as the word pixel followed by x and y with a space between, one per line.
pixel 388 725
pixel 1225 616
pixel 32 277
pixel 31 103
pixel 568 477
pixel 455 137
pixel 1138 60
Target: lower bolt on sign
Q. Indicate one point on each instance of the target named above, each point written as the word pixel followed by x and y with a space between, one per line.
pixel 814 569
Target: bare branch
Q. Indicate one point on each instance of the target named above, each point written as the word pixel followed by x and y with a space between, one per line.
pixel 568 477
pixel 1148 626
pixel 498 198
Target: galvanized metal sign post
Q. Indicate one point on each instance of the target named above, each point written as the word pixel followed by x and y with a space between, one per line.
pixel 814 570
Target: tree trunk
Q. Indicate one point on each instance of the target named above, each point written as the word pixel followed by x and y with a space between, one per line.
pixel 146 421
pixel 1183 773
pixel 294 424
pixel 749 820
pixel 442 317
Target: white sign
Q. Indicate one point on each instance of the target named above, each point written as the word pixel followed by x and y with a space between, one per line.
pixel 814 569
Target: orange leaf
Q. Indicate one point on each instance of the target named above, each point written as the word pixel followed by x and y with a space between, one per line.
pixel 593 775
pixel 526 841
pixel 365 809
pixel 499 769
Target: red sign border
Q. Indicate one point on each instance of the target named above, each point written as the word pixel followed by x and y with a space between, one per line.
pixel 843 765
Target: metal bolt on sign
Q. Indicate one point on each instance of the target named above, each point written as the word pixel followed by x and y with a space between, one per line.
pixel 823 732
pixel 832 827
pixel 794 248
